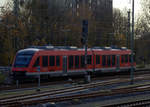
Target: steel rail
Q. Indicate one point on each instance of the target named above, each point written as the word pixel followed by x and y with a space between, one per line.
pixel 139 103
pixel 79 96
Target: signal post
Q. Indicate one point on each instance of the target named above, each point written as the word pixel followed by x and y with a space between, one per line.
pixel 84 39
pixel 84 42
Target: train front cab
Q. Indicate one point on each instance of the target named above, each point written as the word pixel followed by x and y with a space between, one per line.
pixel 21 65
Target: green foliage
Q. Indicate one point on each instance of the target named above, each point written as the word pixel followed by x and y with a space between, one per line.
pixel 140 66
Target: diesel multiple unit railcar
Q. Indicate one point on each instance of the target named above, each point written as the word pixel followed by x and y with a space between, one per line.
pixel 58 61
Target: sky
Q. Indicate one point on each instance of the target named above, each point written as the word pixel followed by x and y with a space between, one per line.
pixel 2 2
pixel 121 4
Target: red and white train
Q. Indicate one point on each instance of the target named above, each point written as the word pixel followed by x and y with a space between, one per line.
pixel 58 61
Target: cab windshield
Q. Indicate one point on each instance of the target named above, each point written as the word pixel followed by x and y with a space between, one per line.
pixel 22 60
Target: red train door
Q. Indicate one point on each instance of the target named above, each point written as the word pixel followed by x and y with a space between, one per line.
pixel 65 64
pixel 52 64
pixel 118 63
pixel 44 61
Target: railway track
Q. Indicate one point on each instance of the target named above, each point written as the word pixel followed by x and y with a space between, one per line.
pixel 57 91
pixel 108 82
pixel 140 103
pixel 64 94
pixel 112 92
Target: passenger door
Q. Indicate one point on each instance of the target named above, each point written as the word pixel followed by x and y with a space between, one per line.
pixel 118 63
pixel 44 67
pixel 65 64
pixel 52 64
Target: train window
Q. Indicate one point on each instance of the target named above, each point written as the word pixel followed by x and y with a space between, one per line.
pixel 129 58
pixel 97 59
pixel 109 60
pixel 52 60
pixel 70 62
pixel 82 61
pixel 44 61
pixel 126 58
pixel 104 60
pixel 122 59
pixel 36 64
pixel 57 60
pixel 89 59
pixel 22 60
pixel 77 61
pixel 113 60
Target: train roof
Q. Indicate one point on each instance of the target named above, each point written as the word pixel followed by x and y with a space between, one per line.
pixel 34 49
pixel 28 51
pixel 38 48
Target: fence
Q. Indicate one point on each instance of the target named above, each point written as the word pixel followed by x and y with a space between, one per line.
pixel 5 68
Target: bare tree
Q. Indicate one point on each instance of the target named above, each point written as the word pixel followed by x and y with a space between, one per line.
pixel 143 29
pixel 143 21
pixel 120 22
